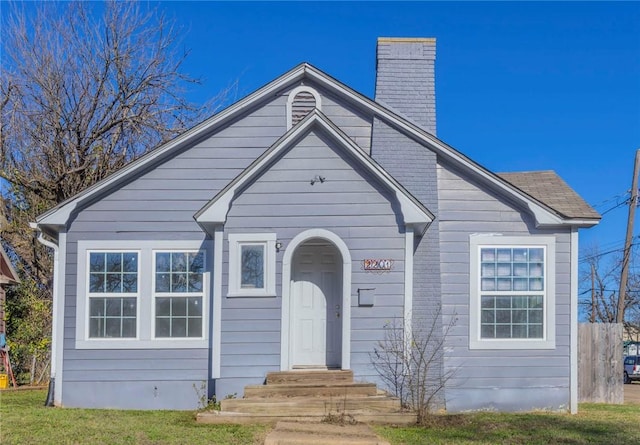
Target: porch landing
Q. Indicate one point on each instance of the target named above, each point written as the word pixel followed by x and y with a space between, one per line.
pixel 311 395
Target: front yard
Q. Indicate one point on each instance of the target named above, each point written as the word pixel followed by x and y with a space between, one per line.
pixel 24 420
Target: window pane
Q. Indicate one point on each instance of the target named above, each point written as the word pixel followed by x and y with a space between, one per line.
pixel 130 283
pixel 504 270
pixel 114 307
pixel 519 316
pixel 163 262
pixel 520 255
pixel 488 331
pixel 162 327
pixel 488 270
pixel 195 327
pixel 114 283
pixel 179 327
pixel 488 284
pixel 488 316
pixel 503 316
pixel 196 262
pixel 130 262
pixel 178 307
pixel 488 302
pixel 488 255
pixel 519 331
pixel 195 282
pixel 536 255
pixel 520 284
pixel 96 282
pixel 96 327
pixel 113 327
pixel 504 284
pixel 128 327
pixel 504 255
pixel 178 262
pixel 96 307
pixel 520 270
pixel 503 331
pixel 163 307
pixel 129 307
pixel 535 316
pixel 163 282
pixel 179 282
pixel 252 266
pixel 194 307
pixel 96 262
pixel 535 331
pixel 114 262
pixel 536 284
pixel 536 269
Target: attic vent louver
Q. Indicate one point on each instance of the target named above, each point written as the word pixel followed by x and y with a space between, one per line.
pixel 302 101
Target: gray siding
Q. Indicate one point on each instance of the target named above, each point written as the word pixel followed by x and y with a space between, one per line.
pixel 157 205
pixel 509 380
pixel 283 201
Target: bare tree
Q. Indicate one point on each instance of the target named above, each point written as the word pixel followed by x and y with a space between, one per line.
pixel 600 281
pixel 411 363
pixel 85 89
pixel 81 95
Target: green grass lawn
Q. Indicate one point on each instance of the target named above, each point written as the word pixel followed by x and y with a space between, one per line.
pixel 24 420
pixel 594 424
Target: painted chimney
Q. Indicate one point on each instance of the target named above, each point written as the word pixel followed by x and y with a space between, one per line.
pixel 405 79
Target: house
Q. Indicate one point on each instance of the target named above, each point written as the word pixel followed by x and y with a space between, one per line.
pixel 287 230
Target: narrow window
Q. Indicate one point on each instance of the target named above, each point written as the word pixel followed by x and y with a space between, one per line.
pixel 178 294
pixel 113 294
pixel 252 268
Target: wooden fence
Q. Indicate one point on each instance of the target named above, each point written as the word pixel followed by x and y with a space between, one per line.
pixel 600 363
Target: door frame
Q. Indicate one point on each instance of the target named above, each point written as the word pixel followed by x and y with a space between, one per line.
pixel 285 343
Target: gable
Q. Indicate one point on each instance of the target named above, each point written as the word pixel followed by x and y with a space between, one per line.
pixel 215 212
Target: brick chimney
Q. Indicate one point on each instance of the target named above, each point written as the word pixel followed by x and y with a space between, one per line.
pixel 405 79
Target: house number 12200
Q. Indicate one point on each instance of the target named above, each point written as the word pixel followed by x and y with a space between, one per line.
pixel 377 264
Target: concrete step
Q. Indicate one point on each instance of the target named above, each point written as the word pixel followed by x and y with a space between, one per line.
pixel 310 377
pixel 305 433
pixel 312 406
pixel 231 418
pixel 339 389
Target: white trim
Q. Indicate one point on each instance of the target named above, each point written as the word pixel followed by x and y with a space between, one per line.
pixel 215 211
pixel 236 241
pixel 573 313
pixel 548 341
pixel 285 344
pixel 216 332
pixel 145 296
pixel 408 281
pixel 155 295
pixel 291 97
pixel 59 215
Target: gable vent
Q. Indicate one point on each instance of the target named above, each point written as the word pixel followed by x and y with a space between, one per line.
pixel 302 101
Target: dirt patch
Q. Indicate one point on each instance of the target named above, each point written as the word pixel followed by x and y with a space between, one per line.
pixel 632 393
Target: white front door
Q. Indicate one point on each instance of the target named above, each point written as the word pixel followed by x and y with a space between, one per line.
pixel 316 328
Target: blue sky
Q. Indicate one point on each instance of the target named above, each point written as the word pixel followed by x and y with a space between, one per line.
pixel 519 86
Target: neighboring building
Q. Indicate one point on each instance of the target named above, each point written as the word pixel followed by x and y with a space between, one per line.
pixel 8 275
pixel 287 230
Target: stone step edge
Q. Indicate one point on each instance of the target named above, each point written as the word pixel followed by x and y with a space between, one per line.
pixel 235 418
pixel 293 438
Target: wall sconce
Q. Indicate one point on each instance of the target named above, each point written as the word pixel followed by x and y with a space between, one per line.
pixel 318 178
pixel 278 246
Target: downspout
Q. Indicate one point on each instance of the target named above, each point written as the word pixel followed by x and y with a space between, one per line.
pixel 54 327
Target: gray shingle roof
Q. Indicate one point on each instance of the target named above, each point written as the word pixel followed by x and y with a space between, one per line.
pixel 548 188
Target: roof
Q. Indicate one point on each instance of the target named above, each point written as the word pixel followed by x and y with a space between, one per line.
pixel 549 188
pixel 57 217
pixel 7 272
pixel 215 211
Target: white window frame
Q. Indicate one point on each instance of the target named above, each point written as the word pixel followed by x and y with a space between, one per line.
pixel 111 295
pixel 145 323
pixel 236 241
pixel 185 295
pixel 548 340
